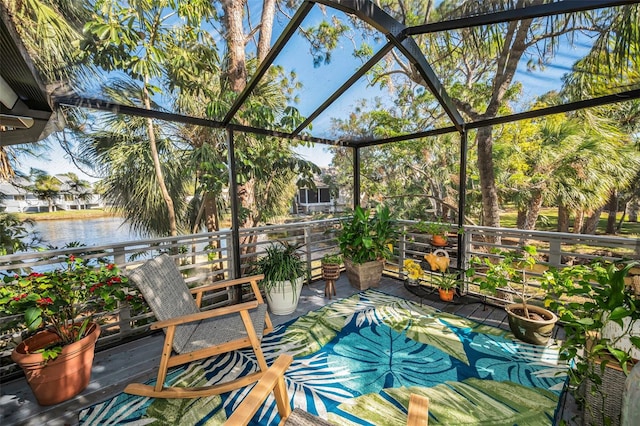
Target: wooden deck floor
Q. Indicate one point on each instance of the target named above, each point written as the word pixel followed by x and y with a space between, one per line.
pixel 136 361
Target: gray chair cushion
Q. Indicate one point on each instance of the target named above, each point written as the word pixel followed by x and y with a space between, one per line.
pixel 162 286
pixel 219 330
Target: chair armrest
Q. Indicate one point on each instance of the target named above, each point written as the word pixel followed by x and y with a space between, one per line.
pixel 226 283
pixel 418 410
pixel 198 316
pixel 267 383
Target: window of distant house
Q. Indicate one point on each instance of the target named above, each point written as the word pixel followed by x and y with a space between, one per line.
pixel 19 197
pixel 302 196
pixel 68 197
pixel 312 195
pixel 325 196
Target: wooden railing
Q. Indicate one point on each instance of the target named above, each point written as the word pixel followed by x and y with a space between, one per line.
pixel 207 257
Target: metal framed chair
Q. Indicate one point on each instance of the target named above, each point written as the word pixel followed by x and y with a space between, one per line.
pixel 273 381
pixel 192 334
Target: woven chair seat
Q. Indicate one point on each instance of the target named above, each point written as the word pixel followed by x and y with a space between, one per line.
pixel 220 330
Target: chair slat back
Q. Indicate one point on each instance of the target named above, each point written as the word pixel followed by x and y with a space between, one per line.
pixel 163 287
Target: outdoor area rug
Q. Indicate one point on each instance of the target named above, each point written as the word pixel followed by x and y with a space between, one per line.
pixel 357 360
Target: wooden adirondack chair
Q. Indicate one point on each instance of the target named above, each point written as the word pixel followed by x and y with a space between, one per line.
pixel 192 334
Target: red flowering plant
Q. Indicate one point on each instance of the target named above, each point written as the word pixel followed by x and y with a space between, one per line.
pixel 66 300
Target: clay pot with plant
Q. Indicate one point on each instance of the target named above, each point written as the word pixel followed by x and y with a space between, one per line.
pixel 439 231
pixel 446 282
pixel 529 323
pixel 61 307
pixel 589 300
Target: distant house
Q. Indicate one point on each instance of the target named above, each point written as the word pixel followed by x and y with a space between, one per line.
pixel 16 197
pixel 321 198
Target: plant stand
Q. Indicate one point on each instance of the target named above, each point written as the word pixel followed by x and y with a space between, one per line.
pixel 330 273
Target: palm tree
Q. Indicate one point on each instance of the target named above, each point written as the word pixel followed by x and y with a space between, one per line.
pixel 46 187
pixel 80 189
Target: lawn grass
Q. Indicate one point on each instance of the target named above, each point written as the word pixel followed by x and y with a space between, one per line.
pixel 548 221
pixel 67 214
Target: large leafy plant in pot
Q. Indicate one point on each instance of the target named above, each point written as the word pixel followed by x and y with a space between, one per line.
pixel 529 323
pixel 57 311
pixel 365 241
pixel 284 274
pixel 590 300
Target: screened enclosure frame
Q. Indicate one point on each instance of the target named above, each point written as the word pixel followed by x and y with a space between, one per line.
pixel 397 35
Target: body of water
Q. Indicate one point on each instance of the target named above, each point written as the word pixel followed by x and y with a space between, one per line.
pixel 90 232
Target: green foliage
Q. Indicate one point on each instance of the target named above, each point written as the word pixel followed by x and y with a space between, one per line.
pixel 585 298
pixel 445 281
pixel 508 272
pixel 65 300
pixel 331 259
pixel 366 238
pixel 16 235
pixel 281 263
pixel 434 228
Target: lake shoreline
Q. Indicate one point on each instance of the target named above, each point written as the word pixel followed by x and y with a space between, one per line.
pixel 69 215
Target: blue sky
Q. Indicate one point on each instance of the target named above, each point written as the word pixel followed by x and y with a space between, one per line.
pixel 534 83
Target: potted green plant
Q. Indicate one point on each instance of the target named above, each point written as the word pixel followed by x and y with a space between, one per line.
pixel 284 273
pixel 56 309
pixel 530 323
pixel 447 283
pixel 589 299
pixel 330 264
pixel 364 242
pixel 438 230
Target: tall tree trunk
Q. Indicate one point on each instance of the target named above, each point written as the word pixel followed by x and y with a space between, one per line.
pixel 266 28
pixel 563 218
pixel 535 204
pixel 613 211
pixel 634 209
pixel 236 68
pixel 490 206
pixel 578 222
pixel 591 224
pixel 171 212
pixel 521 218
pixel 6 171
pixel 236 73
pixel 211 212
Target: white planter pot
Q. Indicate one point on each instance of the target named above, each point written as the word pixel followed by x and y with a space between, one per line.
pixel 620 335
pixel 282 300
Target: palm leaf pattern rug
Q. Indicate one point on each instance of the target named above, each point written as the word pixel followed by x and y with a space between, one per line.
pixel 357 360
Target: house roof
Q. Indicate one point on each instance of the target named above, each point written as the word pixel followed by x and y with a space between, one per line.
pixel 27 118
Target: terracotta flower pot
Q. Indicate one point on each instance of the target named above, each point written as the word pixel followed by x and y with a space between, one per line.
pixel 446 295
pixel 438 240
pixel 60 379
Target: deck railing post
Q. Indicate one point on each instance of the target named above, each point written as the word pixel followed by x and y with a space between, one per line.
pixel 402 251
pixel 307 247
pixel 555 252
